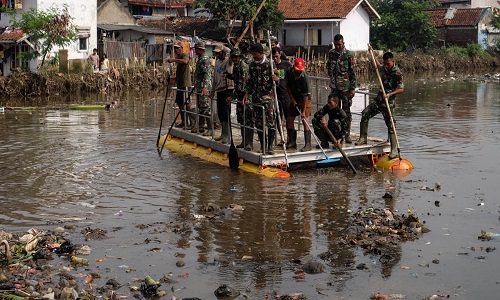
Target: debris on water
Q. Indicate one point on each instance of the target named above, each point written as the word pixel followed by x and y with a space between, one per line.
pixel 437 185
pixel 149 287
pixel 387 196
pixel 214 177
pixel 313 267
pixel 226 292
pixel 426 188
pixel 379 296
pixel 120 213
pixel 436 297
pixel 234 189
pixel 488 235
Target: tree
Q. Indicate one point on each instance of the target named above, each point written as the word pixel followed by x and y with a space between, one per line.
pixel 46 29
pixel 403 24
pixel 229 11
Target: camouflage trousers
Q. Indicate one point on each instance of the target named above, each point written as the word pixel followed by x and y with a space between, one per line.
pixel 345 102
pixel 334 126
pixel 374 109
pixel 267 104
pixel 244 115
pixel 203 103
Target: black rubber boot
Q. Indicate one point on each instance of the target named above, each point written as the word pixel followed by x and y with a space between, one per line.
pixel 348 135
pixel 249 139
pixel 243 141
pixel 320 134
pixel 261 141
pixel 394 146
pixel 292 143
pixel 209 131
pixel 363 134
pixel 270 141
pixel 307 139
pixel 192 119
pixel 201 124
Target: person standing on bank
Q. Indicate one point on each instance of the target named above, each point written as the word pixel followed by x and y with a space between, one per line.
pixel 183 81
pixel 280 66
pixel 297 85
pixel 222 87
pixel 244 116
pixel 392 80
pixel 341 70
pixel 337 122
pixel 203 86
pixel 259 91
pixel 93 59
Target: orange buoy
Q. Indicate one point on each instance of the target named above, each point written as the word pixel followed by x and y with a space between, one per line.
pixel 400 166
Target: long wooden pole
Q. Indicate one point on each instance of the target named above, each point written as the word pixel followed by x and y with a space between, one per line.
pixel 385 98
pixel 248 26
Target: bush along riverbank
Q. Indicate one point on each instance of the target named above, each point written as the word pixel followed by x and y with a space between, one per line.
pixel 45 83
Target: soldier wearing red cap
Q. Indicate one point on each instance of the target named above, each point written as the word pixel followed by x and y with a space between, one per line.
pixel 297 85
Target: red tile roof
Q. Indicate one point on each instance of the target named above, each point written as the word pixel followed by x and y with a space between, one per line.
pixel 318 9
pixel 462 17
pixel 203 27
pixel 9 34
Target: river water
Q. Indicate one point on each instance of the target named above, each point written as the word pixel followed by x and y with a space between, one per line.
pixel 62 167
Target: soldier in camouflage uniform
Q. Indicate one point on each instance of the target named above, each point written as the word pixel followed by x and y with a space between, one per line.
pixel 259 91
pixel 337 122
pixel 203 85
pixel 392 80
pixel 341 70
pixel 245 52
pixel 244 115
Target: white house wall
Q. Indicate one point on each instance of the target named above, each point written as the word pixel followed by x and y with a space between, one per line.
pixel 356 30
pixel 84 14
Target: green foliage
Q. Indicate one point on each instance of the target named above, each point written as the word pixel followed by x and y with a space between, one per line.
pixel 404 25
pixel 472 51
pixel 46 29
pixel 269 18
pixel 495 19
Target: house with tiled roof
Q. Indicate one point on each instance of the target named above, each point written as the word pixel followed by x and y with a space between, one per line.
pixel 13 41
pixel 470 3
pixel 316 22
pixel 461 26
pixel 159 8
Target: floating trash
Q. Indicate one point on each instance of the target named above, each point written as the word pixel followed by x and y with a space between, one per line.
pixel 234 189
pixel 214 177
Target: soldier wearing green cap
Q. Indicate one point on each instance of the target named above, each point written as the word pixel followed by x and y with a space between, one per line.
pixel 203 84
pixel 243 114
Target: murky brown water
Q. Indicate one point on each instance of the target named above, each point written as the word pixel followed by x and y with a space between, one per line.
pixel 83 167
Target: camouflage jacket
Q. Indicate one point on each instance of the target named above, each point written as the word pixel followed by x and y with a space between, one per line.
pixel 260 81
pixel 392 80
pixel 203 73
pixel 336 113
pixel 341 70
pixel 240 78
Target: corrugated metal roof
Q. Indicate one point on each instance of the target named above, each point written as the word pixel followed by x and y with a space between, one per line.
pixel 116 27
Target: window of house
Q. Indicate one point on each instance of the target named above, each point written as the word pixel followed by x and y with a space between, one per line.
pixel 312 37
pixel 83 44
pixel 18 62
pixel 83 39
